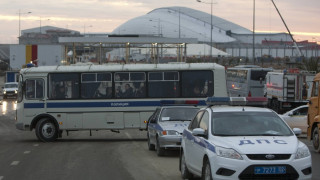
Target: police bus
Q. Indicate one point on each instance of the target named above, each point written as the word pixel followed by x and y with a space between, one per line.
pixel 246 81
pixel 53 99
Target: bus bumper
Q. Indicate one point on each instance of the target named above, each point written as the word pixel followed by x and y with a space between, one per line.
pixel 20 126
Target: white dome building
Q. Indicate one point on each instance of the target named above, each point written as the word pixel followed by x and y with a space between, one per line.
pixel 182 22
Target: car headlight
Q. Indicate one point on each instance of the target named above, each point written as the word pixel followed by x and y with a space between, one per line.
pixel 15 91
pixel 228 153
pixel 4 92
pixel 169 132
pixel 302 152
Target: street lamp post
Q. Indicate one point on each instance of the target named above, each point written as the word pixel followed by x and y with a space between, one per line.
pixel 40 24
pixel 84 29
pixel 20 13
pixel 211 3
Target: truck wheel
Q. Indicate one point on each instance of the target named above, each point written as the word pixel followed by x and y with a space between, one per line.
pixel 316 139
pixel 160 150
pixel 46 130
pixel 151 147
pixel 185 174
pixel 206 171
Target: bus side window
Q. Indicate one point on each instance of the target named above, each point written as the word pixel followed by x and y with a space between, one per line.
pixel 64 86
pixel 163 84
pixel 197 83
pixel 34 89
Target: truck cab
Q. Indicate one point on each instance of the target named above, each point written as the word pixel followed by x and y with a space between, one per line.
pixel 313 115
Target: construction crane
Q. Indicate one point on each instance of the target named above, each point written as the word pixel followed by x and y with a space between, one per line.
pixel 294 42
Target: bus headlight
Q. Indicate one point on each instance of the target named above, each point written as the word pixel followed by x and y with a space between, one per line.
pixel 228 153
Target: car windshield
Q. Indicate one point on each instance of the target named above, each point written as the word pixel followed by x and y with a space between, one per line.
pixel 178 114
pixel 11 85
pixel 248 124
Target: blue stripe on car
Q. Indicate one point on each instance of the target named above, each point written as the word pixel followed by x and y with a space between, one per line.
pixel 200 141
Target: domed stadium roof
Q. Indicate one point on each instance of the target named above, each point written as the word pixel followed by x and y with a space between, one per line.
pixel 175 22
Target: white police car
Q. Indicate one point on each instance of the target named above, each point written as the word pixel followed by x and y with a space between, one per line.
pixel 241 142
pixel 166 125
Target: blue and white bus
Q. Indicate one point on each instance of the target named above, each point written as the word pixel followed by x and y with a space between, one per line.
pixel 53 99
pixel 246 81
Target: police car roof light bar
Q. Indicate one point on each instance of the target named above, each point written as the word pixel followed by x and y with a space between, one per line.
pixel 238 101
pixel 255 101
pixel 211 101
pixel 231 101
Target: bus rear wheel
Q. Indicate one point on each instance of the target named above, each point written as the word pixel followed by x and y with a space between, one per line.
pixel 46 130
pixel 316 139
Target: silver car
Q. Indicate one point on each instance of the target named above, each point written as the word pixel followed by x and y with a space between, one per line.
pixel 297 118
pixel 166 125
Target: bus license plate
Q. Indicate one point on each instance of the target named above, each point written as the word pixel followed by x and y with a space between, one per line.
pixel 270 170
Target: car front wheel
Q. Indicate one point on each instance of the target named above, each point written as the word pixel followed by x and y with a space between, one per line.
pixel 206 172
pixel 185 174
pixel 160 150
pixel 151 147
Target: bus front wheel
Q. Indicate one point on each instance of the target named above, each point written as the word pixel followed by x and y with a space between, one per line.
pixel 316 139
pixel 46 130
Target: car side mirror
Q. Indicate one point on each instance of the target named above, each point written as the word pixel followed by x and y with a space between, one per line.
pixel 297 131
pixel 153 121
pixel 198 132
pixel 290 114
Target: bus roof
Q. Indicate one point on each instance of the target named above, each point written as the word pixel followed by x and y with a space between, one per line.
pixel 122 67
pixel 248 67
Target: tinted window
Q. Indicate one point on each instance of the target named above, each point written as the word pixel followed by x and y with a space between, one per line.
pixel 204 123
pixel 301 111
pixel 163 84
pixel 96 85
pixel 197 83
pixel 195 122
pixel 257 75
pixel 34 89
pixel 130 85
pixel 64 86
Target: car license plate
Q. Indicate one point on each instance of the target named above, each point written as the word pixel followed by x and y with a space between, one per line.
pixel 270 170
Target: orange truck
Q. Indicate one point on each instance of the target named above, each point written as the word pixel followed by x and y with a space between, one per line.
pixel 313 114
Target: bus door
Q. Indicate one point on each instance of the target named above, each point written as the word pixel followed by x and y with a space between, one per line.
pixel 35 101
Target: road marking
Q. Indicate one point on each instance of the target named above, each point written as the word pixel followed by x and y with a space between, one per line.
pixel 14 163
pixel 1 177
pixel 26 152
pixel 128 135
pixel 36 145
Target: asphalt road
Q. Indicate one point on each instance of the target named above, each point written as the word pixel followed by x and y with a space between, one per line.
pixel 79 156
